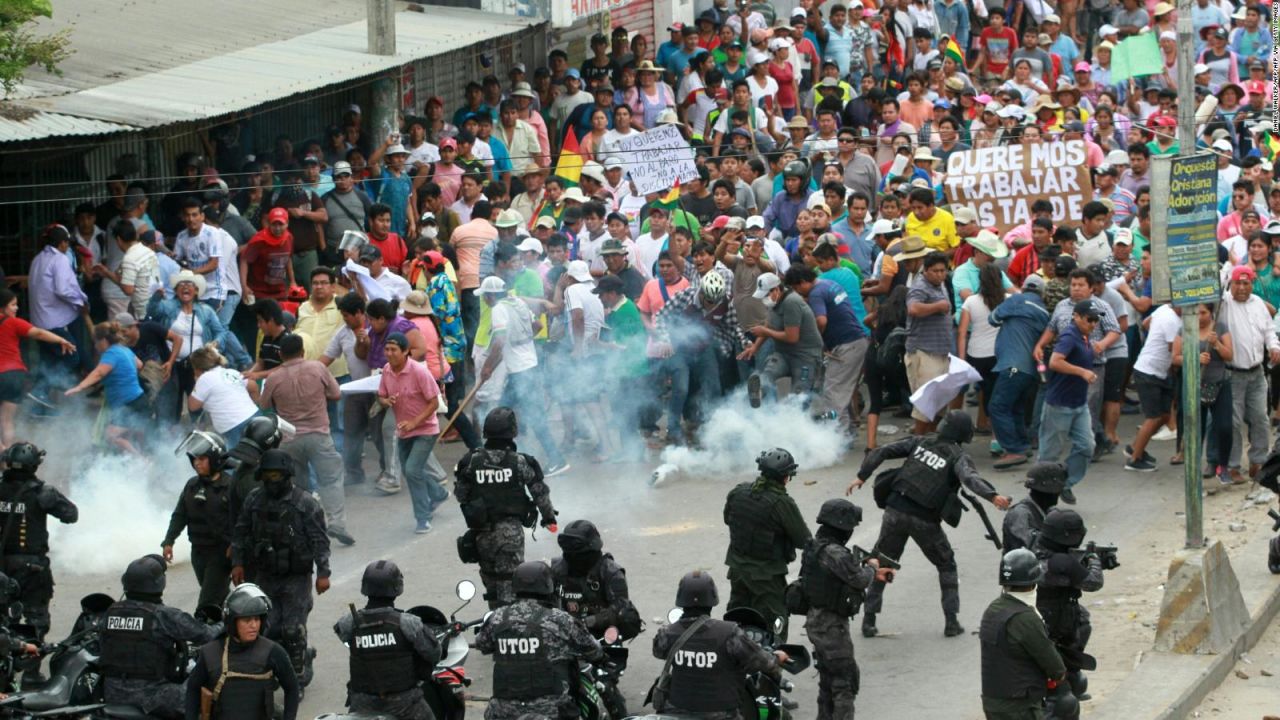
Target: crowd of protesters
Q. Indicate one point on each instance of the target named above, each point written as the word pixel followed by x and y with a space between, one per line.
pixel 814 246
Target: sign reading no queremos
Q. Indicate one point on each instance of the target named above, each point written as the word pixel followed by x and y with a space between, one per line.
pixel 1001 183
pixel 657 158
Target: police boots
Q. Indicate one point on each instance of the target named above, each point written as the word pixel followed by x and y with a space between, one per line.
pixel 1273 557
pixel 869 625
pixel 953 627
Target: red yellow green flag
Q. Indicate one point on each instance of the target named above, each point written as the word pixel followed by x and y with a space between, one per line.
pixel 569 164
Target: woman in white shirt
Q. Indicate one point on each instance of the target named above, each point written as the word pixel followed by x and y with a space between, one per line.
pixel 764 88
pixel 230 399
pixel 976 336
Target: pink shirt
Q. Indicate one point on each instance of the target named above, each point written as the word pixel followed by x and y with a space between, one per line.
pixel 436 363
pixel 414 388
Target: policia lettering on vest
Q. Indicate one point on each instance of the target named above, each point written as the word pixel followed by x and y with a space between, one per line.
pixel 916 499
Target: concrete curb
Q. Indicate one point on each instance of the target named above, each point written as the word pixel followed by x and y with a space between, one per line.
pixel 1187 678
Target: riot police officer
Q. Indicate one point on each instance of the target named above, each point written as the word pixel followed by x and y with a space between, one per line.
pixel 500 492
pixel 1018 658
pixel 140 638
pixel 25 504
pixel 1023 522
pixel 832 582
pixel 921 496
pixel 10 644
pixel 1068 573
pixel 391 650
pixel 238 674
pixel 278 538
pixel 765 530
pixel 712 658
pixel 204 510
pixel 591 586
pixel 263 433
pixel 536 649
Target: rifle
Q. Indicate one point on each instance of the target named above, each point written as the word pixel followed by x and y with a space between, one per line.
pixel 878 555
pixel 992 535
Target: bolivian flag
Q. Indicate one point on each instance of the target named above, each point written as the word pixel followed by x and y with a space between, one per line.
pixel 569 164
pixel 1269 146
pixel 952 49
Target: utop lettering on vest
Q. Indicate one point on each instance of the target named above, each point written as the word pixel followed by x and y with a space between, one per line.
pixel 696 659
pixel 16 508
pixel 375 640
pixel 518 646
pixel 489 476
pixel 124 623
pixel 929 458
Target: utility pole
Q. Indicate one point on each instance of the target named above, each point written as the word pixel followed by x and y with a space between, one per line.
pixel 1191 454
pixel 382 26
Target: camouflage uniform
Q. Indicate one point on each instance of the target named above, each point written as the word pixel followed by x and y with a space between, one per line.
pixel 160 698
pixel 566 642
pixel 406 705
pixel 293 523
pixel 1021 525
pixel 743 653
pixel 828 630
pixel 498 529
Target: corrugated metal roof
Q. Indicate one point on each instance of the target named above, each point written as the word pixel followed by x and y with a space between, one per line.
pixel 249 76
pixel 16 127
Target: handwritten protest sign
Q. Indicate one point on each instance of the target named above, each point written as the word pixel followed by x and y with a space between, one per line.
pixel 1001 183
pixel 657 158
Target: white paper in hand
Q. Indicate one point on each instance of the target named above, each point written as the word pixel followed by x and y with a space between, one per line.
pixel 935 395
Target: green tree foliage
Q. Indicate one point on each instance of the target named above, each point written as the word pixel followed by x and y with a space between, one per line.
pixel 20 48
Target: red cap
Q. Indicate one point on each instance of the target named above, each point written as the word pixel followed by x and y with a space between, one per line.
pixel 720 222
pixel 449 143
pixel 1255 87
pixel 1243 271
pixel 278 215
pixel 433 260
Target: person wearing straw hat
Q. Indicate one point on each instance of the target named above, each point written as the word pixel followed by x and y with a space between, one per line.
pixel 395 188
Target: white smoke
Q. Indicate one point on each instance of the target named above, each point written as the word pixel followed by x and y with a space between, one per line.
pixel 736 433
pixel 124 500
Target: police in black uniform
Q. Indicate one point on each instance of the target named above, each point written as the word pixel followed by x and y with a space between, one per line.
pixel 25 504
pixel 1068 573
pixel 204 509
pixel 591 586
pixel 253 665
pixel 278 538
pixel 536 649
pixel 1023 522
pixel 765 530
pixel 10 644
pixel 260 435
pixel 391 650
pixel 501 492
pixel 1018 658
pixel 922 495
pixel 140 643
pixel 704 675
pixel 833 582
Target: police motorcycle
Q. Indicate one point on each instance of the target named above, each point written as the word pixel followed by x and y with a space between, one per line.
pixel 597 692
pixel 446 693
pixel 74 686
pixel 763 695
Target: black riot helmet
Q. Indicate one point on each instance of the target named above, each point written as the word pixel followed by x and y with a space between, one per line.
pixel 776 464
pixel 263 432
pixel 203 443
pixel 840 514
pixel 246 600
pixel 957 427
pixel 580 536
pixel 697 589
pixel 144 576
pixel 533 578
pixel 275 472
pixel 23 456
pixel 1047 477
pixel 500 424
pixel 1020 569
pixel 1064 527
pixel 382 578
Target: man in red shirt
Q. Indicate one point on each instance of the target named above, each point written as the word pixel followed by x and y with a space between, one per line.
pixel 995 47
pixel 394 252
pixel 1027 259
pixel 265 267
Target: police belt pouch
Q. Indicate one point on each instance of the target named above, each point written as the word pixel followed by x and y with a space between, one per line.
pixel 797 603
pixel 662 685
pixel 468 550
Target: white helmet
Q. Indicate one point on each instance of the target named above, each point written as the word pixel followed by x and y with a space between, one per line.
pixel 713 287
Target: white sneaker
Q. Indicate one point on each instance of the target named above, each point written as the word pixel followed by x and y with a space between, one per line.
pixel 1165 435
pixel 387 484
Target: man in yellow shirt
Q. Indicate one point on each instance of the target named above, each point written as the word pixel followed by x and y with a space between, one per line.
pixel 936 227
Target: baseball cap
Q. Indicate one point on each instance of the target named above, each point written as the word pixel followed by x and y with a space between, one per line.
pixel 311 160
pixel 1117 157
pixel 963 215
pixel 1199 69
pixel 1051 18
pixel 765 283
pixel 755 221
pixel 578 270
pixel 573 73
pixel 609 283
pixel 883 227
pixel 1242 271
pixel 493 285
pixel 125 320
pixel 530 244
pixel 1083 66
pixel 1255 87
pixel 278 215
pixel 1085 308
pixel 1108 29
pixel 612 162
pixel 1034 281
pixel 448 144
pixel 370 253
pixel 1223 145
pixel 720 222
pixel 342 167
pixel 546 221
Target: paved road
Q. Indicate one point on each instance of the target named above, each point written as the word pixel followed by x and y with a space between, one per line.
pixel 658 534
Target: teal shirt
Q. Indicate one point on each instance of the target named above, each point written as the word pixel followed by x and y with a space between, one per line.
pixel 852 286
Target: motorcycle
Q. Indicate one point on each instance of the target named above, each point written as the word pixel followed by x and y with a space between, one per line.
pixel 597 691
pixel 446 691
pixel 74 687
pixel 763 695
